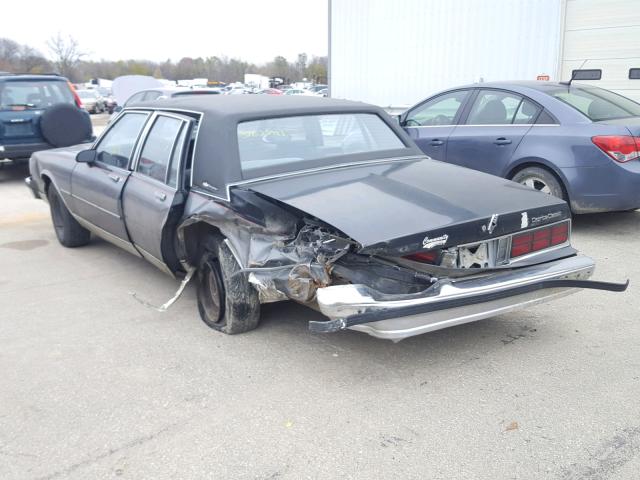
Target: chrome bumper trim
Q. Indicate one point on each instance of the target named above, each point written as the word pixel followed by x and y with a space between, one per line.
pixel 452 302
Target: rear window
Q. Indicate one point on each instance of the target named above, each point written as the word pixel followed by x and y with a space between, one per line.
pixel 596 103
pixel 293 143
pixel 33 93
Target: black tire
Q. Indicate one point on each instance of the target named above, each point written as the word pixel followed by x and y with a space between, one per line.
pixel 69 232
pixel 63 125
pixel 226 302
pixel 540 179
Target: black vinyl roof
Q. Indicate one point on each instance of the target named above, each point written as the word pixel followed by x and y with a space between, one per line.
pixel 258 106
pixel 216 158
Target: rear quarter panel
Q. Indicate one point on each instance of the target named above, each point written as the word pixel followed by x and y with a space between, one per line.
pixel 568 151
pixel 56 165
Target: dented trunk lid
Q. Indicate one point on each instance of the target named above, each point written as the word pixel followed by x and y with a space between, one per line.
pixel 400 207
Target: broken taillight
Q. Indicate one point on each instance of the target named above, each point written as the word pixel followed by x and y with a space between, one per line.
pixel 622 148
pixel 539 239
pixel 429 256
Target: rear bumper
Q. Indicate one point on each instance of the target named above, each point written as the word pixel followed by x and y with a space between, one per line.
pixel 605 188
pixel 452 302
pixel 23 150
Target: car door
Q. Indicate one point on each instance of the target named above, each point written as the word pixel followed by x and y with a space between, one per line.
pixel 430 123
pixel 490 132
pixel 154 194
pixel 96 188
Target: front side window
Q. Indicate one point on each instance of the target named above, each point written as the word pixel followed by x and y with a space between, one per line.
pixel 293 143
pixel 596 103
pixel 158 148
pixel 493 107
pixel 117 145
pixel 441 110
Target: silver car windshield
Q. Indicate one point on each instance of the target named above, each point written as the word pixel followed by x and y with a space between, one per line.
pixel 299 140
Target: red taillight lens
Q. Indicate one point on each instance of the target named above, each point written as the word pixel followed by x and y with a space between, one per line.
pixel 424 257
pixel 521 244
pixel 559 234
pixel 76 98
pixel 539 239
pixel 622 148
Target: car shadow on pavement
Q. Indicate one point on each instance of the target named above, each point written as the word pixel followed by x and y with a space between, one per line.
pixel 609 222
pixel 285 323
pixel 12 173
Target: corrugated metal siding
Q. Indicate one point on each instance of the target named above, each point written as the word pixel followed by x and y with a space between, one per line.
pixel 607 34
pixel 397 53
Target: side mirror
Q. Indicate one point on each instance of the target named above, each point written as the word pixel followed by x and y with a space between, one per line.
pixel 117 109
pixel 402 118
pixel 86 156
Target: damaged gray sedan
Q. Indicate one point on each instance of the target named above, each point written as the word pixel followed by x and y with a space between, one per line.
pixel 324 202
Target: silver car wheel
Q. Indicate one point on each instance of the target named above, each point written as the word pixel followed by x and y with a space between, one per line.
pixel 537 184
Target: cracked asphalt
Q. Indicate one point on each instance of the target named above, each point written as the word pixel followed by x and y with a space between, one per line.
pixel 94 385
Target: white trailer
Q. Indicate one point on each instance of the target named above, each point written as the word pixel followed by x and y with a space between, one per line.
pixel 255 81
pixel 397 53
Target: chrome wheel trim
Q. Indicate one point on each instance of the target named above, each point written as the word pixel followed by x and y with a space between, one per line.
pixel 537 184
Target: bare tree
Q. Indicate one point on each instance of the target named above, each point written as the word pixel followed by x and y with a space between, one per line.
pixel 66 53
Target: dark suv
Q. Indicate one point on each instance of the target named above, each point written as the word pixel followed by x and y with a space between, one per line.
pixel 39 112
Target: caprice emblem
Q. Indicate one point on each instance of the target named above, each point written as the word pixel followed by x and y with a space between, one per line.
pixel 434 242
pixel 493 223
pixel 524 220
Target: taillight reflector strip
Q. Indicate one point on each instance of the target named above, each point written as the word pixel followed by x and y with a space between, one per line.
pixel 540 239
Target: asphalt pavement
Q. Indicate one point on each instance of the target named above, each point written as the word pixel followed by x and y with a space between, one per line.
pixel 95 385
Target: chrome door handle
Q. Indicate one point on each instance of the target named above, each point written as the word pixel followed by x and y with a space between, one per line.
pixel 161 196
pixel 113 177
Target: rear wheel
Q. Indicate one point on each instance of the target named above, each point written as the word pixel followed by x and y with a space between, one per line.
pixel 540 179
pixel 227 302
pixel 69 232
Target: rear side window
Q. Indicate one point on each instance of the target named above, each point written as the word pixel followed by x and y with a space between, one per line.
pixel 34 93
pixel 527 113
pixel 159 148
pixel 441 110
pixel 596 103
pixel 493 107
pixel 117 145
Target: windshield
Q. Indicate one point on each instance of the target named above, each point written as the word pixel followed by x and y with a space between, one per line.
pixel 295 143
pixel 596 103
pixel 33 94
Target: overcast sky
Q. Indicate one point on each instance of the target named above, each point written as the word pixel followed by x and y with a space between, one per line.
pixel 252 30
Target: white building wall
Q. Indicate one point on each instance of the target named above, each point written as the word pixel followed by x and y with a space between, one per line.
pixel 398 52
pixel 606 33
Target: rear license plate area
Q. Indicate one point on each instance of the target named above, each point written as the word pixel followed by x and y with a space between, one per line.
pixel 22 129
